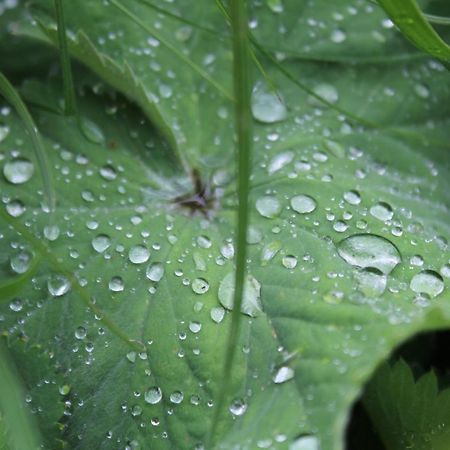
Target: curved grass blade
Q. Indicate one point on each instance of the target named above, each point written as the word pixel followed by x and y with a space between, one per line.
pixel 69 88
pixel 408 17
pixel 21 430
pixel 243 120
pixel 12 97
pixel 438 20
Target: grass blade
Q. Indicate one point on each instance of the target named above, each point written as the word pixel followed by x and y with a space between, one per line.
pixel 69 89
pixel 13 98
pixel 408 17
pixel 243 119
pixel 21 429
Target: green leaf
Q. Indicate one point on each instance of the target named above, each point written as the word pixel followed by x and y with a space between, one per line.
pixel 408 413
pixel 140 337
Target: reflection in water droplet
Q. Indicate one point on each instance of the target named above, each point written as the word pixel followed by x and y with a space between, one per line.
pixel 251 301
pixel 382 211
pixel 303 204
pixel 200 286
pixel 305 443
pixel 116 284
pixel 267 106
pixel 101 243
pixel 371 282
pixel 268 206
pixel 153 395
pixel 58 285
pixel 283 374
pixel 427 282
pixel 18 171
pixel 155 271
pixel 238 407
pixel 369 250
pixel 20 263
pixel 138 254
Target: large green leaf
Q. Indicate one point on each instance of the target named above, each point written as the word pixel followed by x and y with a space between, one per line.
pixel 344 275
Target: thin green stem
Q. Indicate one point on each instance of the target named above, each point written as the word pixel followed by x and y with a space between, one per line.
pixel 243 119
pixel 438 20
pixel 70 108
pixel 13 98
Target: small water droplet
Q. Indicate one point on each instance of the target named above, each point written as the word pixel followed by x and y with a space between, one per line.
pixel 116 284
pixel 139 254
pixel 108 172
pixel 20 263
pixel 269 251
pixel 268 206
pixel 80 333
pixel 283 374
pixel 4 131
pixel 92 131
pixel 289 261
pixel 195 327
pixel 200 286
pixel 51 232
pixel 176 397
pixel 58 285
pixel 371 282
pixel 303 204
pixel 101 243
pixel 267 105
pixel 204 241
pixel 279 161
pixel 238 407
pixel 254 236
pixel 217 314
pixel 325 91
pixel 421 90
pixel 352 197
pixel 445 271
pixel 427 282
pixel 155 271
pixel 18 171
pixel 153 395
pixel 382 211
pixel 305 443
pixel 369 250
pixel 15 208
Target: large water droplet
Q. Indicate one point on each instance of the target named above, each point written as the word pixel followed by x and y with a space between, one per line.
pixel 382 211
pixel 58 285
pixel 369 250
pixel 267 105
pixel 155 271
pixel 303 204
pixel 18 171
pixel 251 299
pixel 200 286
pixel 153 395
pixel 138 254
pixel 427 282
pixel 101 243
pixel 268 206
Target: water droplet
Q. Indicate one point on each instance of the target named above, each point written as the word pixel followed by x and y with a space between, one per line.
pixel 268 206
pixel 176 397
pixel 195 327
pixel 254 236
pixel 15 208
pixel 269 251
pixel 326 91
pixel 251 299
pixel 340 226
pixel 369 250
pixel 101 243
pixel 305 443
pixel 16 305
pixel 18 171
pixel 267 106
pixel 283 374
pixel 64 389
pixel 204 241
pixel 58 285
pixel 352 197
pixel 421 90
pixel 303 204
pixel 4 131
pixel 138 254
pixel 92 131
pixel 20 263
pixel 116 284
pixel 155 271
pixel 289 261
pixel 338 36
pixel 200 286
pixel 371 282
pixel 227 250
pixel 382 211
pixel 427 282
pixel 238 407
pixel 217 314
pixel 131 356
pixel 80 333
pixel 153 395
pixel 51 232
pixel 445 271
pixel 279 161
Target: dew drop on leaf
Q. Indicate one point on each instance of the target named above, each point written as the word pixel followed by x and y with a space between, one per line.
pixel 4 131
pixel 279 161
pixel 238 407
pixel 217 314
pixel 153 395
pixel 58 285
pixel 269 251
pixel 92 132
pixel 303 204
pixel 16 305
pixel 155 271
pixel 251 301
pixel 108 172
pixel 268 206
pixel 204 241
pixel 18 171
pixel 139 254
pixel 15 208
pixel 352 197
pixel 101 243
pixel 326 91
pixel 283 374
pixel 305 443
pixel 369 250
pixel 371 282
pixel 382 211
pixel 116 284
pixel 200 286
pixel 445 270
pixel 267 105
pixel 289 261
pixel 20 263
pixel 80 333
pixel 254 236
pixel 195 327
pixel 427 282
pixel 51 232
pixel 176 397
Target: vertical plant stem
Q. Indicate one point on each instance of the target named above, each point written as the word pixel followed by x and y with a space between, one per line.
pixel 13 98
pixel 243 119
pixel 69 89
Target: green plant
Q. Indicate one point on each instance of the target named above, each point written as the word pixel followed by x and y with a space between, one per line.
pixel 118 263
